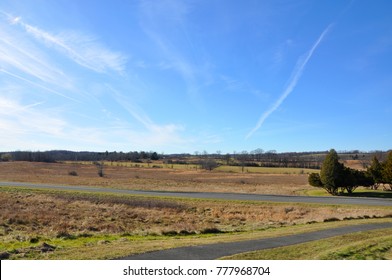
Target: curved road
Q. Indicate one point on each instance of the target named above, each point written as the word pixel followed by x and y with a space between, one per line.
pixel 210 195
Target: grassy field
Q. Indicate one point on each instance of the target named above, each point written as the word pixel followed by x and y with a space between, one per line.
pixel 61 224
pixel 165 179
pixel 267 170
pixel 155 164
pixel 43 224
pixel 223 168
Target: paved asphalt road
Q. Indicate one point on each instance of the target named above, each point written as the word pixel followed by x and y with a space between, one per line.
pixel 218 250
pixel 225 196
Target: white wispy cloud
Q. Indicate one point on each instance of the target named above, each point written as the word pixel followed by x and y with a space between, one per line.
pixel 279 55
pixel 84 50
pixel 160 20
pixel 18 118
pixel 38 85
pixel 29 58
pixel 295 76
pixel 19 53
pixel 155 134
pixel 176 61
pixel 26 62
pixel 38 127
pixel 231 84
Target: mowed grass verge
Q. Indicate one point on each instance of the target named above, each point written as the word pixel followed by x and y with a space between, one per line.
pixel 369 245
pixel 359 192
pixel 43 224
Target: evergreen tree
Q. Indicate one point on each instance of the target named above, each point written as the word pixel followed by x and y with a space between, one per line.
pixel 334 175
pixel 387 170
pixel 375 170
pixel 314 180
pixel 331 172
pixel 154 156
pixel 353 178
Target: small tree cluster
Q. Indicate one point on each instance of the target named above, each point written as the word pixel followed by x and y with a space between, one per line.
pixel 6 157
pixel 352 179
pixel 336 178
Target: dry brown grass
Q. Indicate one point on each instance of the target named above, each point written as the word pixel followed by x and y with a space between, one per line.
pixel 354 164
pixel 154 178
pixel 70 214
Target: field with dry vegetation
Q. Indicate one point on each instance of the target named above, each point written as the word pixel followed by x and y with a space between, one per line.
pixel 32 220
pixel 143 178
pixel 44 224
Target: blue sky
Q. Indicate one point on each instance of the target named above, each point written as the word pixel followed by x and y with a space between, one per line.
pixel 184 76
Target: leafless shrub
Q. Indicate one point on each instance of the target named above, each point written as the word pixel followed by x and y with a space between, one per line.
pixel 288 209
pixel 100 166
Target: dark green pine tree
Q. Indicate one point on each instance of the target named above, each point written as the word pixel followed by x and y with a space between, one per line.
pixel 387 170
pixel 375 170
pixel 314 180
pixel 330 174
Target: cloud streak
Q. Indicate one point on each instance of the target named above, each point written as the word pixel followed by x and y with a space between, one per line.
pixel 160 20
pixel 83 50
pixel 156 134
pixel 20 119
pixel 38 85
pixel 19 53
pixel 35 76
pixel 296 75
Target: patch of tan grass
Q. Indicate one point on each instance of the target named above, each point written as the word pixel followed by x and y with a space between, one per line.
pixel 154 178
pixel 68 214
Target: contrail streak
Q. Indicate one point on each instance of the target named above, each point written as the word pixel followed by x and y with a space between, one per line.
pixel 296 75
pixel 38 85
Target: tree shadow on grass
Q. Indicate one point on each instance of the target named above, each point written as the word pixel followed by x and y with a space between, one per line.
pixel 374 194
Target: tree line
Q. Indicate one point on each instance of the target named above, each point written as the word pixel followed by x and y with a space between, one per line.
pixel 336 178
pixel 209 161
pixel 60 155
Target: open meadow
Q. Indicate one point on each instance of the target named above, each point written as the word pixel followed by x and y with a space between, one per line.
pixel 48 224
pixel 289 181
